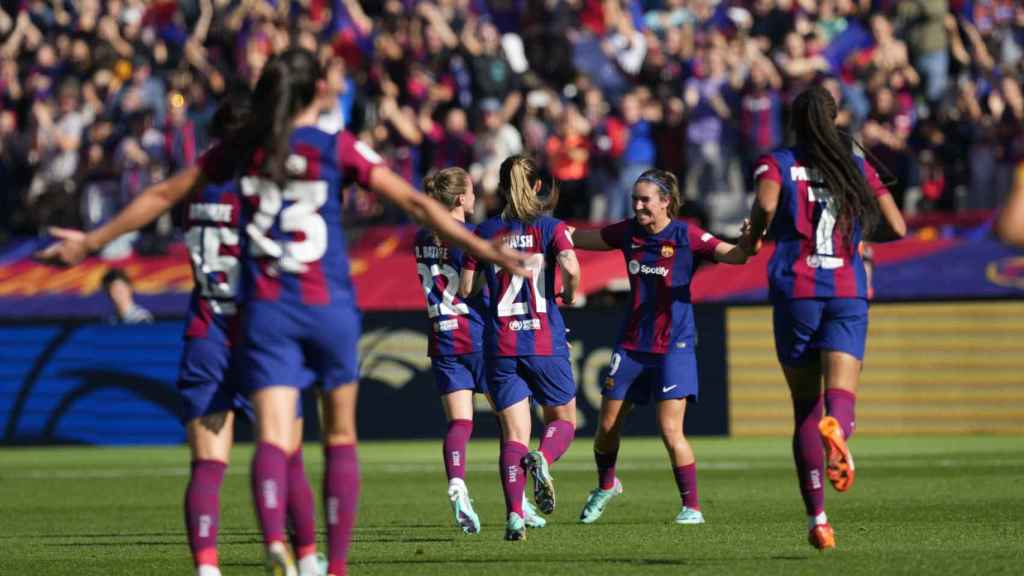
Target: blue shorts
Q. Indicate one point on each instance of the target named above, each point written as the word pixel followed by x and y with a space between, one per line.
pixel 805 326
pixel 636 376
pixel 463 372
pixel 547 378
pixel 282 342
pixel 208 380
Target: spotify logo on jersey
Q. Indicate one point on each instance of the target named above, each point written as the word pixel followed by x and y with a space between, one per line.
pixel 634 267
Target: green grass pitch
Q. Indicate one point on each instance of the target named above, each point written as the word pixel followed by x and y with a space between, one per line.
pixel 948 506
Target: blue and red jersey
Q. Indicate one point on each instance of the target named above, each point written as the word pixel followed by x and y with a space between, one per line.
pixel 522 316
pixel 212 235
pixel 296 253
pixel 456 324
pixel 813 257
pixel 661 268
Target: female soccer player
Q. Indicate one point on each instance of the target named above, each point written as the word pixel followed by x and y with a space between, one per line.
pixel 816 200
pixel 455 347
pixel 208 377
pixel 299 305
pixel 655 353
pixel 527 353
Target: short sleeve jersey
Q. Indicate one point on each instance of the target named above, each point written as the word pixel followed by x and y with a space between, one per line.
pixel 661 268
pixel 522 316
pixel 212 220
pixel 456 324
pixel 297 254
pixel 813 257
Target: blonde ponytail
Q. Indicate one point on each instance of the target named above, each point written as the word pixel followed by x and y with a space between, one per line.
pixel 517 178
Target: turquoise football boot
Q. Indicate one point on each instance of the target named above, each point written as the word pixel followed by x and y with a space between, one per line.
pixel 543 484
pixel 689 516
pixel 597 501
pixel 530 516
pixel 462 508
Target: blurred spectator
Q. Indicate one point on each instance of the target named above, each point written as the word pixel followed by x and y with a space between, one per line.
pixel 568 156
pixel 118 287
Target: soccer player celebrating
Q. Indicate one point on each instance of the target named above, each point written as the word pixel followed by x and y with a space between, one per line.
pixel 817 200
pixel 455 346
pixel 655 353
pixel 299 305
pixel 524 338
pixel 208 380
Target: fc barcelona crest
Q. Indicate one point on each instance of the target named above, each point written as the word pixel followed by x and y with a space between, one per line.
pixel 667 251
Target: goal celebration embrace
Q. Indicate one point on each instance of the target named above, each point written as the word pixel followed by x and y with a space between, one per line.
pixel 453 287
pixel 493 296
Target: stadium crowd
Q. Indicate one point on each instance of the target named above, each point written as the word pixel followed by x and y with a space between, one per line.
pixel 100 99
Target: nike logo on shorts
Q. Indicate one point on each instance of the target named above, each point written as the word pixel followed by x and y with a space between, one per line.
pixel 668 388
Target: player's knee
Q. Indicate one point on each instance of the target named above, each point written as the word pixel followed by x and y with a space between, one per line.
pixel 340 438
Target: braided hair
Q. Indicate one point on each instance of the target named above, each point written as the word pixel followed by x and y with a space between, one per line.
pixel 827 151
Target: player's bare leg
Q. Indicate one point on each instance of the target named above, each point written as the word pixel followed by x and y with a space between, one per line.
pixel 458 409
pixel 515 428
pixel 684 466
pixel 842 373
pixel 805 392
pixel 606 451
pixel 341 474
pixel 209 440
pixel 275 426
pixel 559 431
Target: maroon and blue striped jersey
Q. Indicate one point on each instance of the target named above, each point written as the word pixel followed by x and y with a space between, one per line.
pixel 456 324
pixel 522 316
pixel 212 236
pixel 661 268
pixel 813 257
pixel 296 247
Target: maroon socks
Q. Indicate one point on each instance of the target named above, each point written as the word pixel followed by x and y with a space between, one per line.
pixel 202 510
pixel 301 507
pixel 513 477
pixel 686 481
pixel 605 469
pixel 341 500
pixel 270 490
pixel 808 453
pixel 840 405
pixel 454 448
pixel 557 437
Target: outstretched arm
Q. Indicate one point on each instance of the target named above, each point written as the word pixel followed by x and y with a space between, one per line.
pixel 590 239
pixel 431 213
pixel 761 214
pixel 75 245
pixel 1010 222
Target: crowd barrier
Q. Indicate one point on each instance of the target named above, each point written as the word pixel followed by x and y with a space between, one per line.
pixel 931 368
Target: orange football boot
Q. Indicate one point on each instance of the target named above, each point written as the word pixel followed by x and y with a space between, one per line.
pixel 822 537
pixel 840 461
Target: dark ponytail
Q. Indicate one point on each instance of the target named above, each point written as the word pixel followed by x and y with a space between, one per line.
pixel 232 113
pixel 286 87
pixel 813 122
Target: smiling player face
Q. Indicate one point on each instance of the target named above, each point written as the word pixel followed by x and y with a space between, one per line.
pixel 650 207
